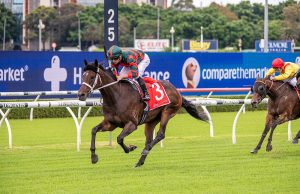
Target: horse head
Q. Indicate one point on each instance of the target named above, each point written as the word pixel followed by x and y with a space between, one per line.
pixel 259 90
pixel 91 79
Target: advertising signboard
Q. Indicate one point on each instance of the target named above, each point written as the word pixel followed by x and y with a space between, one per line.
pixel 194 45
pixel 274 46
pixel 61 71
pixel 154 45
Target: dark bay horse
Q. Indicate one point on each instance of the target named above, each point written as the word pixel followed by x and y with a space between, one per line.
pixel 283 106
pixel 295 140
pixel 123 107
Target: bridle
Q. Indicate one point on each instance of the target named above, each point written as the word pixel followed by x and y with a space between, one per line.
pixel 259 81
pixel 263 93
pixel 98 77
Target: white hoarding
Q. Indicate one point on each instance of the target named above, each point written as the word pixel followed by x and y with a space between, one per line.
pixel 152 44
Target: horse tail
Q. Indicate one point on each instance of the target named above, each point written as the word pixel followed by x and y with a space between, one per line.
pixel 192 110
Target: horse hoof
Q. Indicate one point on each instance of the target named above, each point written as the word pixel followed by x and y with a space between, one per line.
pixel 269 148
pixel 138 165
pixel 295 141
pixel 254 151
pixel 94 159
pixel 132 147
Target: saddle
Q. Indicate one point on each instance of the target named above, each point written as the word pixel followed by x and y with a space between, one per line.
pixel 158 95
pixel 135 85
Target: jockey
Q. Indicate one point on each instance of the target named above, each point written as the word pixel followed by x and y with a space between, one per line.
pixel 288 71
pixel 134 63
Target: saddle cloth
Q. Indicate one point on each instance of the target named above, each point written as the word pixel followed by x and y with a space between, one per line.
pixel 158 95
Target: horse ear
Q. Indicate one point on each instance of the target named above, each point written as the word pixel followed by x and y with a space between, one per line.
pixel 85 62
pixel 96 63
pixel 257 76
pixel 101 66
pixel 266 78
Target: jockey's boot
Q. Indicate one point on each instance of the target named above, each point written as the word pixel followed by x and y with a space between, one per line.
pixel 144 88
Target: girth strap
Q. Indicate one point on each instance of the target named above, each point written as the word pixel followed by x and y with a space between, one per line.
pixel 145 114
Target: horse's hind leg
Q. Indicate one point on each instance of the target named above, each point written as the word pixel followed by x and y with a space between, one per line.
pixel 159 136
pixel 295 140
pixel 103 126
pixel 149 128
pixel 128 128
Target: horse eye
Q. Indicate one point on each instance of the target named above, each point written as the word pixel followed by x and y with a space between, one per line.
pixel 260 88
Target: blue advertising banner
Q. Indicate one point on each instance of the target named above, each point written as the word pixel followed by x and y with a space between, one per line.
pixel 42 71
pixel 274 46
pixel 61 71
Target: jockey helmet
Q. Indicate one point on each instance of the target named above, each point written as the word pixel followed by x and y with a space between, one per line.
pixel 114 52
pixel 277 63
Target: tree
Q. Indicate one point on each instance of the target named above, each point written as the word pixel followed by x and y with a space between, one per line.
pixel 227 24
pixel 276 11
pixel 47 15
pixel 225 11
pixel 10 24
pixel 245 10
pixel 292 22
pixel 67 22
pixel 184 5
pixel 276 31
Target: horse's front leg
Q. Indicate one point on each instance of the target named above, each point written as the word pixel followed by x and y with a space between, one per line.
pixel 269 120
pixel 269 145
pixel 295 140
pixel 103 126
pixel 279 121
pixel 128 129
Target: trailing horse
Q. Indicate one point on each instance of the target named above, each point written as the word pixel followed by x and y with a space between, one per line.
pixel 283 106
pixel 123 107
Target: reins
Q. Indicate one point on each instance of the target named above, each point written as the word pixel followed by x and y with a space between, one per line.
pixel 112 83
pixel 280 85
pixel 271 84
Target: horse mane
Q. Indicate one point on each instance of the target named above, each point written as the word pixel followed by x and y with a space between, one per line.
pixel 95 65
pixel 109 72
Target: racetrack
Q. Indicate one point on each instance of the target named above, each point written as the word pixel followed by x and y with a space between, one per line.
pixel 44 159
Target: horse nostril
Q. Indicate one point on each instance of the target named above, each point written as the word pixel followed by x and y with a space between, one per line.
pixel 254 104
pixel 80 94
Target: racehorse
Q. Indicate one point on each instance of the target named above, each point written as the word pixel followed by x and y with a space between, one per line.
pixel 123 107
pixel 295 140
pixel 283 106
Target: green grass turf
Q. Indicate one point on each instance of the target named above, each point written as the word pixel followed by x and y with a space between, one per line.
pixel 44 159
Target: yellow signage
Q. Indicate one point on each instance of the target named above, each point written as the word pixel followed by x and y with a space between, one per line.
pixel 198 46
